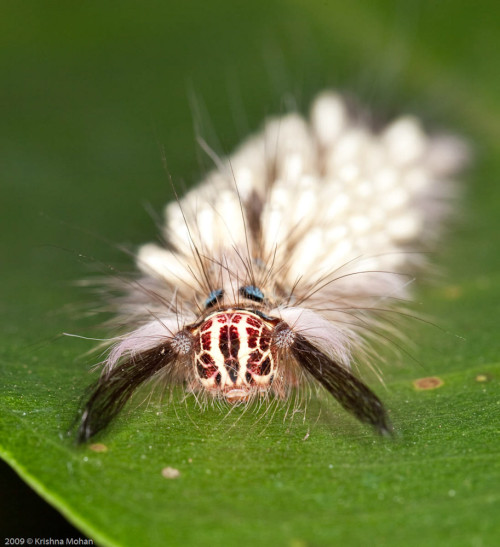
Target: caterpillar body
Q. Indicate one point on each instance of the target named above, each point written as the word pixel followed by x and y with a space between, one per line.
pixel 277 268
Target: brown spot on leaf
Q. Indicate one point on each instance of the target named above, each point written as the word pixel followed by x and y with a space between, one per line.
pixel 98 447
pixel 431 382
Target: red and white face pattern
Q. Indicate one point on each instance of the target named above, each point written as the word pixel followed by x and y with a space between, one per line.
pixel 233 354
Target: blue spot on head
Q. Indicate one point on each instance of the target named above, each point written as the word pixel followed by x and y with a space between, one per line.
pixel 252 293
pixel 213 298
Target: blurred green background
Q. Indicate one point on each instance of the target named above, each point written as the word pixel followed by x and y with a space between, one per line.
pixel 92 95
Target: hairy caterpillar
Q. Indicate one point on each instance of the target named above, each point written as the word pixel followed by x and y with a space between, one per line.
pixel 273 270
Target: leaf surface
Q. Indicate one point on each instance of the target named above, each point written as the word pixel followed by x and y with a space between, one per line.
pixel 90 92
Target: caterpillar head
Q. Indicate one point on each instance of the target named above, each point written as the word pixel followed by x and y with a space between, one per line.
pixel 233 353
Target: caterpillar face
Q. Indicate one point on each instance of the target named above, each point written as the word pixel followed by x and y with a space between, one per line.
pixel 234 355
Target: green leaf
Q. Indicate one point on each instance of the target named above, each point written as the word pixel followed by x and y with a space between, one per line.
pixel 90 90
